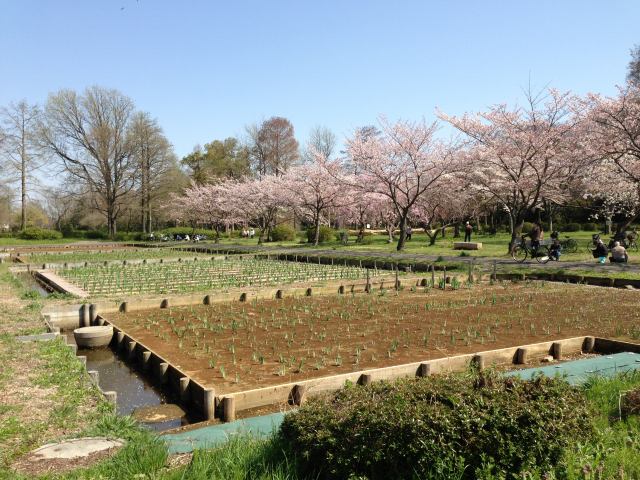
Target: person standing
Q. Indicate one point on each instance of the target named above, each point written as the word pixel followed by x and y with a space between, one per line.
pixel 408 232
pixel 468 228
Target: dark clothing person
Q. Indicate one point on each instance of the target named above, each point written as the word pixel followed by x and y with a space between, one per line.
pixel 536 236
pixel 600 252
pixel 408 232
pixel 468 228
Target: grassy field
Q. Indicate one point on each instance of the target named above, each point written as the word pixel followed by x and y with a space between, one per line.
pixel 492 245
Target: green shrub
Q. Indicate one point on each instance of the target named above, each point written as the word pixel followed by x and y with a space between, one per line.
pixel 572 227
pixel 187 231
pixel 283 233
pixel 34 233
pixel 527 227
pixel 436 426
pixel 590 227
pixel 96 235
pixel 326 234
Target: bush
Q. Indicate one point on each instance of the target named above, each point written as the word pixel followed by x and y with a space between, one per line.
pixel 438 427
pixel 33 233
pixel 326 234
pixel 96 235
pixel 590 227
pixel 182 231
pixel 527 227
pixel 572 227
pixel 283 233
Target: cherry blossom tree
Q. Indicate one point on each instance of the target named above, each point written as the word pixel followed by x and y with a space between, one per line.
pixel 258 200
pixel 614 139
pixel 313 189
pixel 524 154
pixel 209 204
pixel 401 162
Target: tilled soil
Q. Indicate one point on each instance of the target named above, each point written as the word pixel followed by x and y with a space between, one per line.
pixel 239 346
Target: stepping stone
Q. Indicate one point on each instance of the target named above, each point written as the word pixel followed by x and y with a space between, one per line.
pixel 67 455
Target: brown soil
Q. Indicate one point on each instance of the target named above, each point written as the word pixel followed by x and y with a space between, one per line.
pixel 272 342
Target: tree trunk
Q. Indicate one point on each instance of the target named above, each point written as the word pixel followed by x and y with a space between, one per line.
pixel 317 232
pixel 516 229
pixel 390 229
pixel 456 230
pixel 432 234
pixel 23 183
pixel 444 231
pixel 403 233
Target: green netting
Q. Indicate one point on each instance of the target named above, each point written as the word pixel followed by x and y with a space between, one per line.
pixel 578 371
pixel 208 437
pixel 575 372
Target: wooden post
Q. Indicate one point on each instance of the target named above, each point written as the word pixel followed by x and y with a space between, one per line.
pixel 368 286
pixel 119 340
pixel 471 272
pixel 365 379
pixel 228 409
pixel 298 394
pixel 209 404
pixel 131 349
pixel 85 322
pixel 162 372
pixel 124 307
pixel 495 272
pixel 184 389
pixel 522 355
pixel 146 355
pixel 556 350
pixel 588 344
pixel 433 276
pixel 424 370
pixel 93 313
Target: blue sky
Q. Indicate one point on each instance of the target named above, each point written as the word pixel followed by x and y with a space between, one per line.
pixel 205 69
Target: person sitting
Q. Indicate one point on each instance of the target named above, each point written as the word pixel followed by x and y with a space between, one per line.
pixel 186 238
pixel 618 254
pixel 600 252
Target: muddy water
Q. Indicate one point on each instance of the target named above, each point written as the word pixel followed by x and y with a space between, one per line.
pixel 32 284
pixel 134 390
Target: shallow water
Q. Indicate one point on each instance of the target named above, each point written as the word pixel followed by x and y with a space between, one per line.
pixel 134 390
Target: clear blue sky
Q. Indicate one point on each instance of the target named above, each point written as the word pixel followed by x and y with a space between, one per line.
pixel 205 69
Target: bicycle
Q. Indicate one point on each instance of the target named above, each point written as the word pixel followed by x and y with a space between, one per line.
pixel 523 250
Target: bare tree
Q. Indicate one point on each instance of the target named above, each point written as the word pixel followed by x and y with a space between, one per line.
pixel 155 158
pixel 633 72
pixel 20 153
pixel 273 146
pixel 88 133
pixel 322 141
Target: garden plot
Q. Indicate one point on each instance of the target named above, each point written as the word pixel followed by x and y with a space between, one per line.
pixel 201 275
pixel 108 255
pixel 235 347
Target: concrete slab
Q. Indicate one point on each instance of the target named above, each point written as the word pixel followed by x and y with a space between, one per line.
pixel 74 448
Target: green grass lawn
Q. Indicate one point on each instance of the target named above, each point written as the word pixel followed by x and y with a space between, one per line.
pixel 493 246
pixel 11 241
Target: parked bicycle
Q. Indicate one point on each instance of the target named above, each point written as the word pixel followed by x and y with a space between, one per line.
pixel 523 250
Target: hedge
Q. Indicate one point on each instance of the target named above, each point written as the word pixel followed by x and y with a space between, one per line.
pixel 34 233
pixel 283 233
pixel 326 234
pixel 446 426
